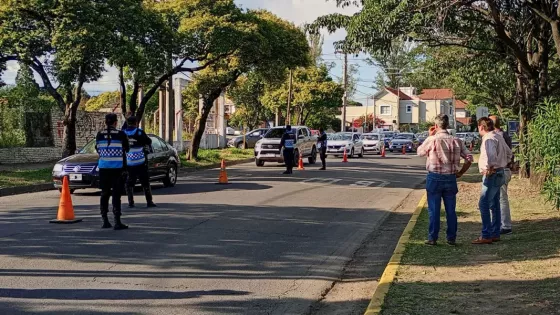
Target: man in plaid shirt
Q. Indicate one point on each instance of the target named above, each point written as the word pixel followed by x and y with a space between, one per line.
pixel 444 153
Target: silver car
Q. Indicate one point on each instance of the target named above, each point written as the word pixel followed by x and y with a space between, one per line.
pixel 350 142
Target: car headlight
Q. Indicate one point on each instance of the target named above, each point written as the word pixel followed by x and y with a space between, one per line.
pixel 97 169
pixel 57 168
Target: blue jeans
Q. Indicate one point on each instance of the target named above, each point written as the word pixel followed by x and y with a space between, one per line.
pixel 440 187
pixel 490 203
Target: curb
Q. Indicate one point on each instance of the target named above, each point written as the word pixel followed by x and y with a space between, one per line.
pixel 10 191
pixel 215 165
pixel 374 307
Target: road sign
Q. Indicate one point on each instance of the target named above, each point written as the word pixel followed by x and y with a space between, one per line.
pixel 482 112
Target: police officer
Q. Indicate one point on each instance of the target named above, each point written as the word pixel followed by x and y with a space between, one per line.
pixel 112 146
pixel 288 143
pixel 136 160
pixel 322 144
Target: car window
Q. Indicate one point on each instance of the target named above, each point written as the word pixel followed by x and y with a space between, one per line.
pixel 164 146
pixel 356 137
pixel 275 133
pixel 89 148
pixel 371 137
pixel 156 145
pixel 345 136
pixel 405 136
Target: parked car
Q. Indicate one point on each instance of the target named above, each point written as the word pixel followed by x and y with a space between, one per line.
pixel 251 139
pixel 268 148
pixel 373 142
pixel 421 137
pixel 467 138
pixel 346 141
pixel 389 135
pixel 82 170
pixel 404 139
pixel 230 131
pixel 315 133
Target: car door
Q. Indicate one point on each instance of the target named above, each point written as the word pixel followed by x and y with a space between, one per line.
pixel 357 142
pixel 158 156
pixel 152 156
pixel 253 137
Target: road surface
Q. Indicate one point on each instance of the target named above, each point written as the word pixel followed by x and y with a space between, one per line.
pixel 264 244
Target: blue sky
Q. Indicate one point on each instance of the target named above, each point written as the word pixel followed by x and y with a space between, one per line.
pixel 297 11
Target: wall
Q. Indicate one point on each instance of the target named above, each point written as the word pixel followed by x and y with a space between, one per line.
pixel 383 99
pixel 408 118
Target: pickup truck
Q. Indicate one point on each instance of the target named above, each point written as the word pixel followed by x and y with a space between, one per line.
pixel 268 148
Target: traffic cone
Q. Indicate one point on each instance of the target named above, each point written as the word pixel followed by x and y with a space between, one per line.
pixel 471 147
pixel 383 151
pixel 223 174
pixel 345 157
pixel 300 163
pixel 404 150
pixel 65 208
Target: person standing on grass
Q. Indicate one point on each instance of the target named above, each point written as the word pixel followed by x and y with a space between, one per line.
pixel 504 199
pixel 444 153
pixel 495 155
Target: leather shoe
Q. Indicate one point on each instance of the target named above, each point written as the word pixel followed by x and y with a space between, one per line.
pixel 481 240
pixel 431 243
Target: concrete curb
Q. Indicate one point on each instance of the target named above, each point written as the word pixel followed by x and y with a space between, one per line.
pixel 10 191
pixel 374 307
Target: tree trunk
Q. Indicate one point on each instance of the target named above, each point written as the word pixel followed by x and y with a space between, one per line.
pixel 199 127
pixel 69 138
pixel 122 88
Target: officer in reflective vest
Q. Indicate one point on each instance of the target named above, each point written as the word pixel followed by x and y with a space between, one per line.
pixel 111 145
pixel 136 160
pixel 287 144
pixel 322 144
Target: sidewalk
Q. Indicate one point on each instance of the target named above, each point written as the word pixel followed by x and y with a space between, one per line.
pixel 519 275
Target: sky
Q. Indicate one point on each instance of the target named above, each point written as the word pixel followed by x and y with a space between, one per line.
pixel 297 11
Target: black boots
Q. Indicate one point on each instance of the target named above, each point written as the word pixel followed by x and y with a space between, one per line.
pixel 151 204
pixel 106 223
pixel 130 193
pixel 119 225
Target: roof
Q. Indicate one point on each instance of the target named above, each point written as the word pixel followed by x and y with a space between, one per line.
pixel 436 94
pixel 399 93
pixel 460 104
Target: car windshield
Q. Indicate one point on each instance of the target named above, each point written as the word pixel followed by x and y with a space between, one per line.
pixel 405 136
pixel 344 136
pixel 371 137
pixel 89 148
pixel 389 134
pixel 332 136
pixel 461 135
pixel 275 133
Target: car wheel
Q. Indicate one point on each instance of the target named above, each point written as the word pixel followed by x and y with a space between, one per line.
pixel 259 163
pixel 361 155
pixel 171 179
pixel 313 158
pixel 242 146
pixel 391 150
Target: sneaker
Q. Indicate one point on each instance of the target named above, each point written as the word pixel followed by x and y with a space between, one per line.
pixel 431 243
pixel 481 240
pixel 451 242
pixel 505 231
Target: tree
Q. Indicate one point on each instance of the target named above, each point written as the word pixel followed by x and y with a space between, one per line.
pixel 267 45
pixel 371 122
pixel 64 42
pixel 246 93
pixel 395 63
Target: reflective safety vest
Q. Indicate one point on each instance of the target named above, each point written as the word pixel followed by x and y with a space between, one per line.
pixel 136 155
pixel 110 154
pixel 289 143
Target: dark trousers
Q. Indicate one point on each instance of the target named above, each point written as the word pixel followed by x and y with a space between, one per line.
pixel 323 156
pixel 289 159
pixel 134 173
pixel 442 187
pixel 111 183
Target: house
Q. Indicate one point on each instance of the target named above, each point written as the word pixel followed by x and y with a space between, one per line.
pixel 462 115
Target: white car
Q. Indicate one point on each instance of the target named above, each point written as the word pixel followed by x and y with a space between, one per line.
pixel 373 142
pixel 345 141
pixel 230 131
pixel 466 137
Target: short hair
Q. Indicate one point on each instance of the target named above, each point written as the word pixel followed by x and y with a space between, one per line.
pixel 321 129
pixel 496 120
pixel 110 119
pixel 442 121
pixel 486 123
pixel 132 120
pixel 288 127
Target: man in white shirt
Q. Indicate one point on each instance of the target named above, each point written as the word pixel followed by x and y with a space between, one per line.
pixel 495 155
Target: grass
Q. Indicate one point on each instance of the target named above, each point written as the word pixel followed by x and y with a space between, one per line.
pixel 25 177
pixel 207 158
pixel 519 275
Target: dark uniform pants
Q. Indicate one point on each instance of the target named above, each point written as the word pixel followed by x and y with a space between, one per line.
pixel 323 156
pixel 111 184
pixel 138 172
pixel 289 159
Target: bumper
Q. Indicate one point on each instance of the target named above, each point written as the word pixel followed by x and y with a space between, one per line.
pixel 398 147
pixel 372 149
pixel 87 181
pixel 338 150
pixel 269 157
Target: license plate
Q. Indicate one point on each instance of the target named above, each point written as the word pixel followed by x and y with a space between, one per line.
pixel 75 177
pixel 268 155
pixel 332 150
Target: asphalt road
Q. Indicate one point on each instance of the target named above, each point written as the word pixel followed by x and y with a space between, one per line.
pixel 264 244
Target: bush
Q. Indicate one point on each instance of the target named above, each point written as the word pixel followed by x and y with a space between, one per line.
pixel 544 148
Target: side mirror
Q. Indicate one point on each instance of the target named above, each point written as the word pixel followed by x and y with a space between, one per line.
pixel 261 136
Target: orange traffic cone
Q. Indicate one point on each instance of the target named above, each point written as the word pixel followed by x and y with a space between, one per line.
pixel 404 150
pixel 345 157
pixel 383 151
pixel 223 174
pixel 300 163
pixel 65 208
pixel 471 147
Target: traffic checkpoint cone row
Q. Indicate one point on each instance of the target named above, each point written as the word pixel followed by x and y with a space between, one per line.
pixel 345 157
pixel 383 151
pixel 65 207
pixel 300 163
pixel 223 179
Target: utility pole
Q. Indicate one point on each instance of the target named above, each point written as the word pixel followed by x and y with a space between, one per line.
pixel 366 123
pixel 345 97
pixel 289 98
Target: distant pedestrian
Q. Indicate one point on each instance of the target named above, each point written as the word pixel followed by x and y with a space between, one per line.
pixel 288 144
pixel 322 144
pixel 504 198
pixel 111 145
pixel 137 161
pixel 495 155
pixel 444 153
